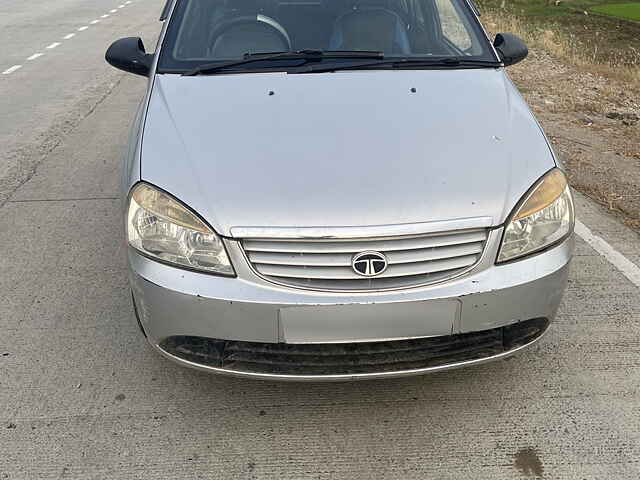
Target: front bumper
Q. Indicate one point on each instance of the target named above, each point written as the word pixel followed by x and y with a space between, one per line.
pixel 174 304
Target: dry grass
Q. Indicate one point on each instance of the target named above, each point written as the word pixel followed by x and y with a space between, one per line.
pixel 623 65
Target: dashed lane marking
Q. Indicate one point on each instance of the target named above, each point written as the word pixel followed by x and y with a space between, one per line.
pixel 66 37
pixel 11 69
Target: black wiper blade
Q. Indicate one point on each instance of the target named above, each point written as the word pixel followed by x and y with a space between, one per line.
pixel 350 53
pixel 407 63
pixel 248 58
pixel 305 55
pixel 460 61
pixel 453 61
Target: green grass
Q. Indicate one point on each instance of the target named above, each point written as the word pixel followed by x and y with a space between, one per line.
pixel 547 9
pixel 628 11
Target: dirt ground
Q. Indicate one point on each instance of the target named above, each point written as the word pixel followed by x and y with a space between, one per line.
pixel 594 125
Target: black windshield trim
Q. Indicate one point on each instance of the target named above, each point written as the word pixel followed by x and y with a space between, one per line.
pixel 405 64
pixel 295 70
pixel 331 64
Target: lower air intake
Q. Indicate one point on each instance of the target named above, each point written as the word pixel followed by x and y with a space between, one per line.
pixel 352 358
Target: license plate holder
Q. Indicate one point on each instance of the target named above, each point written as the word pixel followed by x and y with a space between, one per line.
pixel 367 322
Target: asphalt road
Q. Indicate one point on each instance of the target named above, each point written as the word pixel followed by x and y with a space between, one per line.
pixel 82 396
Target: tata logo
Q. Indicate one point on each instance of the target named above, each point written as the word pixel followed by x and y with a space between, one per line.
pixel 369 264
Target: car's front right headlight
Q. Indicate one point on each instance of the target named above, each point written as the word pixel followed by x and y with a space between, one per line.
pixel 160 227
pixel 544 217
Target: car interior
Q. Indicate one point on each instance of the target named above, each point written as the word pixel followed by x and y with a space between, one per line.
pixel 227 29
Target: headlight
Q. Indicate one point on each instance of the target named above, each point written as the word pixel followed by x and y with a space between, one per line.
pixel 544 217
pixel 160 227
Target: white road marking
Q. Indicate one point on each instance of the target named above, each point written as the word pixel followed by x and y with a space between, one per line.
pixel 622 263
pixel 11 69
pixel 66 37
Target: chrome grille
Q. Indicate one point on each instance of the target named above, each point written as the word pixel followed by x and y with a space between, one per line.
pixel 326 264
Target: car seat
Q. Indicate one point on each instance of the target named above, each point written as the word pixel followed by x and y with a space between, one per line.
pixel 371 25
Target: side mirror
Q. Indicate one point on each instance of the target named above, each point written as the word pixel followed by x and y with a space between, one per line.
pixel 128 54
pixel 510 48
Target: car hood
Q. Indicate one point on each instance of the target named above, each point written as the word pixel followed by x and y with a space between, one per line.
pixel 349 148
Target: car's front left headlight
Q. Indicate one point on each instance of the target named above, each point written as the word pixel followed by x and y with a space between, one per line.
pixel 545 216
pixel 162 228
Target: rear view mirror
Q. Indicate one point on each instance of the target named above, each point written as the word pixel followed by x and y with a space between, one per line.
pixel 128 54
pixel 510 48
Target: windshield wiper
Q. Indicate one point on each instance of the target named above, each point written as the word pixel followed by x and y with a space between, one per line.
pixel 304 55
pixel 406 63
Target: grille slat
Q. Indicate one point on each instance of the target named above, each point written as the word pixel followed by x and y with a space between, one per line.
pixel 308 259
pixel 351 246
pixel 344 259
pixel 326 264
pixel 435 253
pixel 339 273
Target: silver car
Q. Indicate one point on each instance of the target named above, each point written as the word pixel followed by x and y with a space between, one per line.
pixel 338 189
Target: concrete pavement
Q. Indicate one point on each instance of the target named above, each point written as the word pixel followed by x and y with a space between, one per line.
pixel 82 396
pixel 47 97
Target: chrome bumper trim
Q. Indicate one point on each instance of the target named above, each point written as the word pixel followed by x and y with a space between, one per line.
pixel 368 232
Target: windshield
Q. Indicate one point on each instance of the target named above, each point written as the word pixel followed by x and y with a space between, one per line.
pixel 208 31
